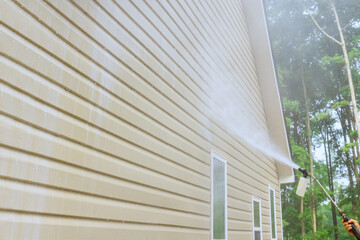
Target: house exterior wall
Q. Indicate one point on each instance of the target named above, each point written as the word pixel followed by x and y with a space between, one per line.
pixel 109 113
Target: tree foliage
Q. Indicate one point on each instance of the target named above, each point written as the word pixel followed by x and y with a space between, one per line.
pixel 301 48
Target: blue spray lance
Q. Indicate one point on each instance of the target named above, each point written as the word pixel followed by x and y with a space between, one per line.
pixel 301 192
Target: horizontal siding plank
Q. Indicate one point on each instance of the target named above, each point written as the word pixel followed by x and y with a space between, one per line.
pixel 179 95
pixel 170 25
pixel 17 134
pixel 241 215
pixel 17 225
pixel 217 25
pixel 239 205
pixel 184 67
pixel 218 37
pixel 238 29
pixel 236 38
pixel 240 234
pixel 85 66
pixel 45 200
pixel 46 172
pixel 248 189
pixel 239 225
pixel 60 98
pixel 57 122
pixel 223 75
pixel 177 27
pixel 110 65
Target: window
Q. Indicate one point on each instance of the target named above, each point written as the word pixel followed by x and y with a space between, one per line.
pixel 256 218
pixel 218 198
pixel 272 213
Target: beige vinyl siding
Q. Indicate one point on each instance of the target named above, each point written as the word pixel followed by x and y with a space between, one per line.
pixel 105 119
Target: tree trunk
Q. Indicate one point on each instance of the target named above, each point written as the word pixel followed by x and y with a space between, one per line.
pixel 313 210
pixel 357 145
pixel 296 132
pixel 348 69
pixel 302 218
pixel 351 188
pixel 300 138
pixel 348 164
pixel 354 152
pixel 327 148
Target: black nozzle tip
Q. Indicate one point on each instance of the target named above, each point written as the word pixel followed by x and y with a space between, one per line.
pixel 303 172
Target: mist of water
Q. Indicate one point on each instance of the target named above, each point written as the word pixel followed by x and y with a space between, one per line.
pixel 236 111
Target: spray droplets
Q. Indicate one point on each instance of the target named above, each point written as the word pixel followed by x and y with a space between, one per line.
pixel 243 117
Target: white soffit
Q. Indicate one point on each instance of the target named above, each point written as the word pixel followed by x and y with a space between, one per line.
pixel 259 39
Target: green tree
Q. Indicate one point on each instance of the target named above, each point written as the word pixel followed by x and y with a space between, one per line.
pixel 299 44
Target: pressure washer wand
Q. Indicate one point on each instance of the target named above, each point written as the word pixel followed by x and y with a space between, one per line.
pixel 354 230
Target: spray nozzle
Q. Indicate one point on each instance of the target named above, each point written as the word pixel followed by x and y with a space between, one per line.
pixel 303 172
pixel 301 192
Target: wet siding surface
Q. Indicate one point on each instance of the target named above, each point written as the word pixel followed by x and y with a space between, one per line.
pixel 107 124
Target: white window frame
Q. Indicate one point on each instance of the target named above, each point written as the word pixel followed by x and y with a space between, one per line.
pixel 272 189
pixel 255 199
pixel 281 220
pixel 218 157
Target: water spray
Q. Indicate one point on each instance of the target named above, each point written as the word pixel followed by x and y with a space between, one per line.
pixel 301 192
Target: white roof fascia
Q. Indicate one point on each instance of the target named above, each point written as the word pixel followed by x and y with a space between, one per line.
pixel 261 49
